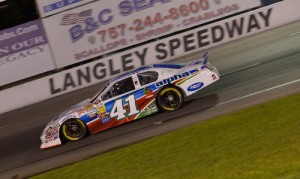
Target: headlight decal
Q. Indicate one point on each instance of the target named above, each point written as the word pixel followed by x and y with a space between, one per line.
pixel 52 132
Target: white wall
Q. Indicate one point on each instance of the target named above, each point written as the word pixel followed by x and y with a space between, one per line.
pixel 160 51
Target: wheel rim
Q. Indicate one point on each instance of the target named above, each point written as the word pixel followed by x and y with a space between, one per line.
pixel 170 99
pixel 74 129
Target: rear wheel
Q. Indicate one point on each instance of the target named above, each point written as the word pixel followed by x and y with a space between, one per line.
pixel 74 129
pixel 170 98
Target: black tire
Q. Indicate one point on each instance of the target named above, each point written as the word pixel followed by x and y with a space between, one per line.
pixel 73 129
pixel 169 98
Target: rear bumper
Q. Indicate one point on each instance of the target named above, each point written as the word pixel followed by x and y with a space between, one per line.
pixel 215 70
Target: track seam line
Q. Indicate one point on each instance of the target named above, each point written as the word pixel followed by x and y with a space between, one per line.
pixel 259 92
pixel 295 33
pixel 1 127
pixel 240 69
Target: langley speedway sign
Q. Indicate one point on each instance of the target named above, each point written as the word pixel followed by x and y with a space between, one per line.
pixel 160 51
pixel 101 27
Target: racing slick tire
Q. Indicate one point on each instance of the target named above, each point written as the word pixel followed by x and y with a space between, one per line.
pixel 169 98
pixel 73 130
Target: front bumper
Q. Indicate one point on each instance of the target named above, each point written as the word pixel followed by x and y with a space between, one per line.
pixel 49 144
pixel 50 136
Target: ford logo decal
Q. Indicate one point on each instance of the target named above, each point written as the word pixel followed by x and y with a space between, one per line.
pixel 195 86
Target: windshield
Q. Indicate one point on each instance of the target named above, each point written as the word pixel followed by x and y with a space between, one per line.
pixel 99 92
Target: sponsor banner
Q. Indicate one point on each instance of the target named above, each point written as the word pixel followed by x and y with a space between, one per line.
pixel 102 27
pixel 24 52
pixel 50 7
pixel 160 51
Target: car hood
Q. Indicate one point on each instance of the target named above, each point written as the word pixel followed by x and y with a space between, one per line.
pixel 76 107
pixel 72 110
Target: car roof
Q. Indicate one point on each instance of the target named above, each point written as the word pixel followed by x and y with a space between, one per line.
pixel 145 68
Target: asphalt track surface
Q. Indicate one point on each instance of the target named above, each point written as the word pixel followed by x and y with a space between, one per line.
pixel 253 70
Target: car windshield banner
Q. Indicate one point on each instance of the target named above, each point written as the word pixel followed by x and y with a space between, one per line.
pixel 101 27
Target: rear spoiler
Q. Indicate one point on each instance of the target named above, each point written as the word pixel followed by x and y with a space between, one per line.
pixel 205 57
pixel 202 60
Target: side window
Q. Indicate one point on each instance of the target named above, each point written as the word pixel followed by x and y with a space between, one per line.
pixel 147 77
pixel 119 88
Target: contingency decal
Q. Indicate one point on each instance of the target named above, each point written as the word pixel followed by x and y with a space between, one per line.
pixel 151 108
pixel 103 115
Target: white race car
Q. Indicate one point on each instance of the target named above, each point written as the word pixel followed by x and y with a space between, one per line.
pixel 131 96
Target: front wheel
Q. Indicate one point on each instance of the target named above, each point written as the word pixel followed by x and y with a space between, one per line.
pixel 170 99
pixel 74 129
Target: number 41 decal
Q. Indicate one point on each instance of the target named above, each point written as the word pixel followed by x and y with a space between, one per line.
pixel 118 111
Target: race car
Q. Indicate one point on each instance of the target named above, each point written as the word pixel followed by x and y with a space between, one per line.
pixel 131 96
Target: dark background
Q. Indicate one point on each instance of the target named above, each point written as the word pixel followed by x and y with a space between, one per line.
pixel 15 12
pixel 269 2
